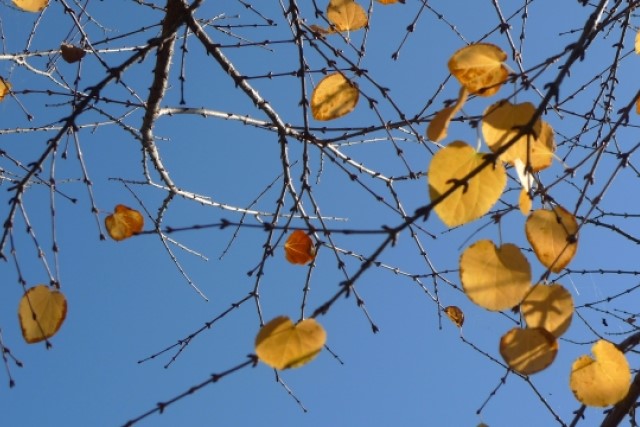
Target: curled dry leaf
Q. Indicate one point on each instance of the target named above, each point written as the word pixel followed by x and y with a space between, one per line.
pixel 41 312
pixel 283 345
pixel 528 351
pixel 553 236
pixel 549 307
pixel 437 129
pixel 455 315
pixel 124 223
pixel 71 53
pixel 346 15
pixel 601 382
pixel 299 249
pixel 495 278
pixel 479 67
pixel 334 97
pixel 31 5
pixel 476 196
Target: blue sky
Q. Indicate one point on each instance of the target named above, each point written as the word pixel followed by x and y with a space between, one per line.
pixel 127 300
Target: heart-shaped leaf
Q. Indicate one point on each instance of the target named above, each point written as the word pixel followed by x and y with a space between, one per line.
pixel 346 15
pixel 549 307
pixel 124 223
pixel 553 235
pixel 299 249
pixel 479 67
pixel 41 312
pixel 528 351
pixel 282 345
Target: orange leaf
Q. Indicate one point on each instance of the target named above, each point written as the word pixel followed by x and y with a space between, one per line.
pixel 124 223
pixel 455 314
pixel 299 248
pixel 5 87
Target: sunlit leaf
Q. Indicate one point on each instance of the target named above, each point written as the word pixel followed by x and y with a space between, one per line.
pixel 479 67
pixel 124 223
pixel 524 202
pixel 334 97
pixel 346 15
pixel 528 351
pixel 549 307
pixel 455 314
pixel 437 129
pixel 299 248
pixel 5 87
pixel 282 345
pixel 31 5
pixel 391 1
pixel 502 121
pixel 71 53
pixel 471 200
pixel 41 312
pixel 604 381
pixel 637 42
pixel 494 278
pixel 553 236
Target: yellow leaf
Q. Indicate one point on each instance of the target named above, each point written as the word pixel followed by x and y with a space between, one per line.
pixel 346 15
pixel 334 97
pixel 5 87
pixel 437 129
pixel 41 312
pixel 524 202
pixel 282 345
pixel 494 278
pixel 549 307
pixel 298 248
pixel 124 223
pixel 469 201
pixel 601 382
pixel 455 314
pixel 637 44
pixel 31 5
pixel 71 53
pixel 391 1
pixel 502 121
pixel 528 351
pixel 479 68
pixel 553 237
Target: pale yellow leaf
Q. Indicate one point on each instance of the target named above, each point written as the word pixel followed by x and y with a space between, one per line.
pixel 41 312
pixel 479 67
pixel 334 97
pixel 549 307
pixel 553 236
pixel 528 351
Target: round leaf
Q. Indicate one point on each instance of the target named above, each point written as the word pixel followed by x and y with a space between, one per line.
pixel 31 5
pixel 549 307
pixel 553 236
pixel 346 15
pixel 479 68
pixel 334 97
pixel 470 201
pixel 601 382
pixel 41 312
pixel 528 351
pixel 282 345
pixel 299 248
pixel 494 278
pixel 123 223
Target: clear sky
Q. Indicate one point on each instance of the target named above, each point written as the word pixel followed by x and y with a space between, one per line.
pixel 128 300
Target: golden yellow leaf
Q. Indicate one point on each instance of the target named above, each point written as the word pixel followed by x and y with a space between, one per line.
pixel 41 312
pixel 282 345
pixel 553 236
pixel 502 121
pixel 524 202
pixel 437 129
pixel 391 1
pixel 601 382
pixel 549 307
pixel 494 278
pixel 298 248
pixel 471 200
pixel 31 5
pixel 637 43
pixel 455 315
pixel 5 87
pixel 479 67
pixel 124 223
pixel 334 97
pixel 71 53
pixel 346 15
pixel 528 351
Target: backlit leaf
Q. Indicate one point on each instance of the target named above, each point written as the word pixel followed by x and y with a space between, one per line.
pixel 637 42
pixel 501 123
pixel 469 201
pixel 282 345
pixel 553 236
pixel 524 202
pixel 549 307
pixel 5 87
pixel 124 223
pixel 601 382
pixel 391 1
pixel 41 312
pixel 299 248
pixel 479 67
pixel 455 314
pixel 494 278
pixel 31 5
pixel 437 129
pixel 71 53
pixel 334 97
pixel 528 351
pixel 346 15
